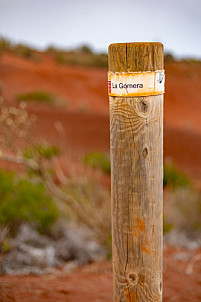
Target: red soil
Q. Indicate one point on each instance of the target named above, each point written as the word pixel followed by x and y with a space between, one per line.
pixel 78 88
pixel 88 86
pixel 94 283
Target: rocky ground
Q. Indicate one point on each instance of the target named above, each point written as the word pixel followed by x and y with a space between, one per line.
pixel 33 253
pixel 69 267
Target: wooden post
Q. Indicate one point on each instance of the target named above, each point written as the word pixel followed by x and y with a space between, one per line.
pixel 136 146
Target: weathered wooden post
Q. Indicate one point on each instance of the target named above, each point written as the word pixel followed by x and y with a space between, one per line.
pixel 136 87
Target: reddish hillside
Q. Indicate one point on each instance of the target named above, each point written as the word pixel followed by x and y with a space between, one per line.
pixel 83 109
pixel 80 88
pixel 87 86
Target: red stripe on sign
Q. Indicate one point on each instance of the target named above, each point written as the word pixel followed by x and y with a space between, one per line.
pixel 109 87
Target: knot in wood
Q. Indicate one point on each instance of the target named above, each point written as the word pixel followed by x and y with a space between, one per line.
pixel 144 105
pixel 144 153
pixel 133 278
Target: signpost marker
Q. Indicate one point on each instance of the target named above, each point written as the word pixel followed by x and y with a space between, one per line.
pixel 136 87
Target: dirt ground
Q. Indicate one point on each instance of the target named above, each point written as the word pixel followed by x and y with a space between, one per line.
pixel 93 283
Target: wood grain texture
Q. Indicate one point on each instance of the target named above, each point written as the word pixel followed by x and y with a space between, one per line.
pixel 136 144
pixel 134 57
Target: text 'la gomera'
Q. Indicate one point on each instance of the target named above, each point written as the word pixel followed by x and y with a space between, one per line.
pixel 122 85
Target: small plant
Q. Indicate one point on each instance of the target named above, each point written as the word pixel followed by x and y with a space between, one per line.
pixel 98 160
pixel 4 231
pixel 5 45
pixel 85 49
pixel 167 227
pixel 169 57
pixel 36 96
pixel 17 49
pixel 23 51
pixel 182 208
pixel 51 49
pixel 173 177
pixel 81 58
pixel 44 151
pixel 100 60
pixel 24 201
pixel 94 208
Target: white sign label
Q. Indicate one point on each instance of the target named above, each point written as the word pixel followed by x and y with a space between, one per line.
pixel 136 83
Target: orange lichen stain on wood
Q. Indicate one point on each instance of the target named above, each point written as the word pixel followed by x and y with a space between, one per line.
pixel 130 296
pixel 147 250
pixel 146 247
pixel 139 227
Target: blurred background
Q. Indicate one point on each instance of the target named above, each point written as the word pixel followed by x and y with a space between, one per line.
pixel 54 145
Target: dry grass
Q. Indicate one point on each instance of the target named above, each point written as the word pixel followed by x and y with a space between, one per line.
pixel 182 208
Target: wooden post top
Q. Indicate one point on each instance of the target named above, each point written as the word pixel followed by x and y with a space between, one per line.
pixel 135 57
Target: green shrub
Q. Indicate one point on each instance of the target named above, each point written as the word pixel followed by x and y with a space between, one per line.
pixel 82 56
pixel 23 51
pixel 169 57
pixel 98 160
pixel 5 246
pixel 85 49
pixel 36 96
pixel 85 59
pixel 23 201
pixel 68 58
pixel 94 208
pixel 51 49
pixel 100 60
pixel 5 45
pixel 173 177
pixel 44 151
pixel 182 208
pixel 167 227
pixel 17 49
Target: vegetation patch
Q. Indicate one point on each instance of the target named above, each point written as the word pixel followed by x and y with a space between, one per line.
pixel 173 177
pixel 36 96
pixel 82 56
pixel 19 49
pixel 5 45
pixel 98 160
pixel 81 59
pixel 23 51
pixel 91 208
pixel 167 227
pixel 23 201
pixel 44 151
pixel 182 208
pixel 169 57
